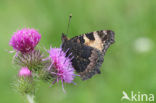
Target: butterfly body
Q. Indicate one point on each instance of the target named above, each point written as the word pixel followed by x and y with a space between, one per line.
pixel 87 51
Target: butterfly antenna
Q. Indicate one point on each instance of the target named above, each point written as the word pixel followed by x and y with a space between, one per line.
pixel 70 16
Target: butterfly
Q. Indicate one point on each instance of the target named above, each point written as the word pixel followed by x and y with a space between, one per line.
pixel 87 51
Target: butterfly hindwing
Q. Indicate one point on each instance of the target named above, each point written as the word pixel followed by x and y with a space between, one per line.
pixel 87 51
pixel 85 58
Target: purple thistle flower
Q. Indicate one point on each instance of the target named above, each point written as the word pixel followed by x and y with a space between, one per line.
pixel 24 72
pixel 25 83
pixel 25 40
pixel 61 66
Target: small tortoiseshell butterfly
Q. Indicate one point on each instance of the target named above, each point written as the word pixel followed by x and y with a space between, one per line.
pixel 88 51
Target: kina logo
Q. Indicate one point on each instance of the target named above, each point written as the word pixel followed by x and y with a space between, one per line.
pixel 138 96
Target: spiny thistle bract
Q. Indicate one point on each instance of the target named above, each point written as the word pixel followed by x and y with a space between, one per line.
pixel 34 60
pixel 25 83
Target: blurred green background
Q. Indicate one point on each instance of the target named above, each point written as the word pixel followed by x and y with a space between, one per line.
pixel 129 63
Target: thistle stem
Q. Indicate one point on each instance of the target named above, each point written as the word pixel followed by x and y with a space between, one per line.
pixel 30 98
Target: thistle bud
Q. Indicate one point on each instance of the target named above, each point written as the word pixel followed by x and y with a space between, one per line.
pixel 24 72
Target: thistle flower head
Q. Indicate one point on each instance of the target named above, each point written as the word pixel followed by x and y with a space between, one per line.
pixel 24 72
pixel 25 40
pixel 25 83
pixel 61 65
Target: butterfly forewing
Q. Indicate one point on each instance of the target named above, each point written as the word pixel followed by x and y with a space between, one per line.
pixel 97 39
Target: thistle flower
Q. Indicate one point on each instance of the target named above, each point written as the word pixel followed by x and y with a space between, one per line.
pixel 25 83
pixel 25 40
pixel 24 72
pixel 61 66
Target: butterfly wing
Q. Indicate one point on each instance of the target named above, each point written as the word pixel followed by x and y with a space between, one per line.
pixel 87 51
pixel 100 40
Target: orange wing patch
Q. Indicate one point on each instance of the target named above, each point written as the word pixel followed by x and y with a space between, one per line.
pixel 97 43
